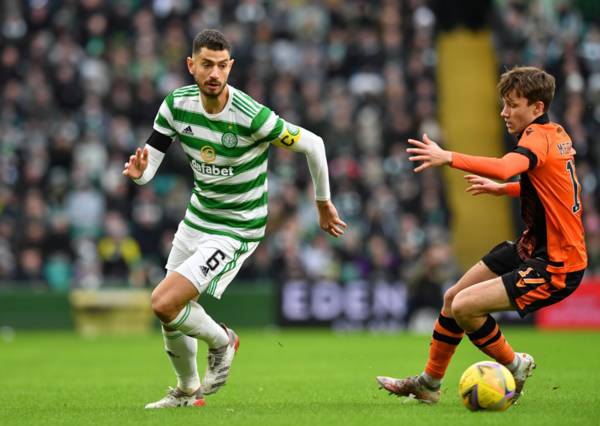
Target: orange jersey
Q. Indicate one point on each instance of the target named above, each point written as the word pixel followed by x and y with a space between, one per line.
pixel 550 198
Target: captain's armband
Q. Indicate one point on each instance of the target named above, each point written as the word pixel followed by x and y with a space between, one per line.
pixel 288 137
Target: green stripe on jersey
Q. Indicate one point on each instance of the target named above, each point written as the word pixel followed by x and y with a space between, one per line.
pixel 242 109
pixel 223 233
pixel 248 99
pixel 235 188
pixel 274 133
pixel 169 101
pixel 162 122
pixel 248 105
pixel 256 162
pixel 190 94
pixel 226 221
pixel 210 203
pixel 197 143
pixel 186 89
pixel 260 119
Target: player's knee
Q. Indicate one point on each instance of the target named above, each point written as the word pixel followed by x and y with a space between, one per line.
pixel 460 307
pixel 449 296
pixel 163 308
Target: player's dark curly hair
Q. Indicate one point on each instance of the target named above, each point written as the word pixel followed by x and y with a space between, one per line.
pixel 211 39
pixel 532 83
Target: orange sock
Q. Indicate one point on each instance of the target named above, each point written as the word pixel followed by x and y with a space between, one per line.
pixel 447 334
pixel 491 341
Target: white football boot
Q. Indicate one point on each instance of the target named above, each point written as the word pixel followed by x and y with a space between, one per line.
pixel 177 398
pixel 522 372
pixel 219 363
pixel 411 387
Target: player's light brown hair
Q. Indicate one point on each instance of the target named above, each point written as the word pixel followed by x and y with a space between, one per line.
pixel 211 39
pixel 531 83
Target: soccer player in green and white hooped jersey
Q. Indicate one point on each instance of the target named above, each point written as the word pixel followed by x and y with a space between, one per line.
pixel 226 136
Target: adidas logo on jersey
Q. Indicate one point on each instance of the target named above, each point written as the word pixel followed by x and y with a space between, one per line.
pixel 188 130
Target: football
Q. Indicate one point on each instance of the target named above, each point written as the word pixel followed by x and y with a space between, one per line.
pixel 487 385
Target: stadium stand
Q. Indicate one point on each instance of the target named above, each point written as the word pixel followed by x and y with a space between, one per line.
pixel 82 80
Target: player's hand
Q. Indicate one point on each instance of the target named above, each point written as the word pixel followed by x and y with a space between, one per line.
pixel 428 152
pixel 481 185
pixel 329 221
pixel 137 163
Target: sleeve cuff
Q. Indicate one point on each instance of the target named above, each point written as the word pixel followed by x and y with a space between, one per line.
pixel 513 189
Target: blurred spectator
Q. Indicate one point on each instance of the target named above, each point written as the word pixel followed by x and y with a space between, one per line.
pixel 429 277
pixel 119 253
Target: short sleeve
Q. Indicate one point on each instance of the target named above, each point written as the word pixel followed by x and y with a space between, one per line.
pixel 163 123
pixel 268 126
pixel 533 144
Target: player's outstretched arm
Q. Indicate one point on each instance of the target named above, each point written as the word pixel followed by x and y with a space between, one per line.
pixel 302 140
pixel 429 153
pixel 481 185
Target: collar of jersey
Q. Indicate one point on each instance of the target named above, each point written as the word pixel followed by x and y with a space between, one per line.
pixel 542 119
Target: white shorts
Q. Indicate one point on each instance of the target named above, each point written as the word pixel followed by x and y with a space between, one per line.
pixel 209 261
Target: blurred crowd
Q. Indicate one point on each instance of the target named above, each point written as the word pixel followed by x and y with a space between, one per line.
pixel 81 82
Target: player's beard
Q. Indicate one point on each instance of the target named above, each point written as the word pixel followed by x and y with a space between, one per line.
pixel 210 94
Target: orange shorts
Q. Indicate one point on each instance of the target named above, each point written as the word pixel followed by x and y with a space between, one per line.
pixel 528 284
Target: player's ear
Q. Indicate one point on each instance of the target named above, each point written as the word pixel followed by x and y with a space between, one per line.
pixel 190 65
pixel 539 107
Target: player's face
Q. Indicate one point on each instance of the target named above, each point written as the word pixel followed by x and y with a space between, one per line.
pixel 210 69
pixel 518 113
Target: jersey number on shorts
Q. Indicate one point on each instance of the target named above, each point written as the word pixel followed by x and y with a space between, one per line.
pixel 571 169
pixel 214 261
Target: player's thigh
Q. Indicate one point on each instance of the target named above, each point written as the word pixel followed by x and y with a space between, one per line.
pixel 481 299
pixel 172 294
pixel 215 263
pixel 500 260
pixel 478 273
pixel 185 243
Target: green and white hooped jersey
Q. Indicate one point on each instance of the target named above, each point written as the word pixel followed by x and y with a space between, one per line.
pixel 228 154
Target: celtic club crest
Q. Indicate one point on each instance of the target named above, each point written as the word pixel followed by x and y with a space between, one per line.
pixel 294 130
pixel 229 140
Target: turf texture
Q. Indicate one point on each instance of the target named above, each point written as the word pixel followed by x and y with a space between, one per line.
pixel 306 377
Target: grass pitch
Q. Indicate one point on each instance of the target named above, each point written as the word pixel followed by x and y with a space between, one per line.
pixel 284 378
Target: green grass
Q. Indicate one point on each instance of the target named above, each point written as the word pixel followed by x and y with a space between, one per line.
pixel 288 377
